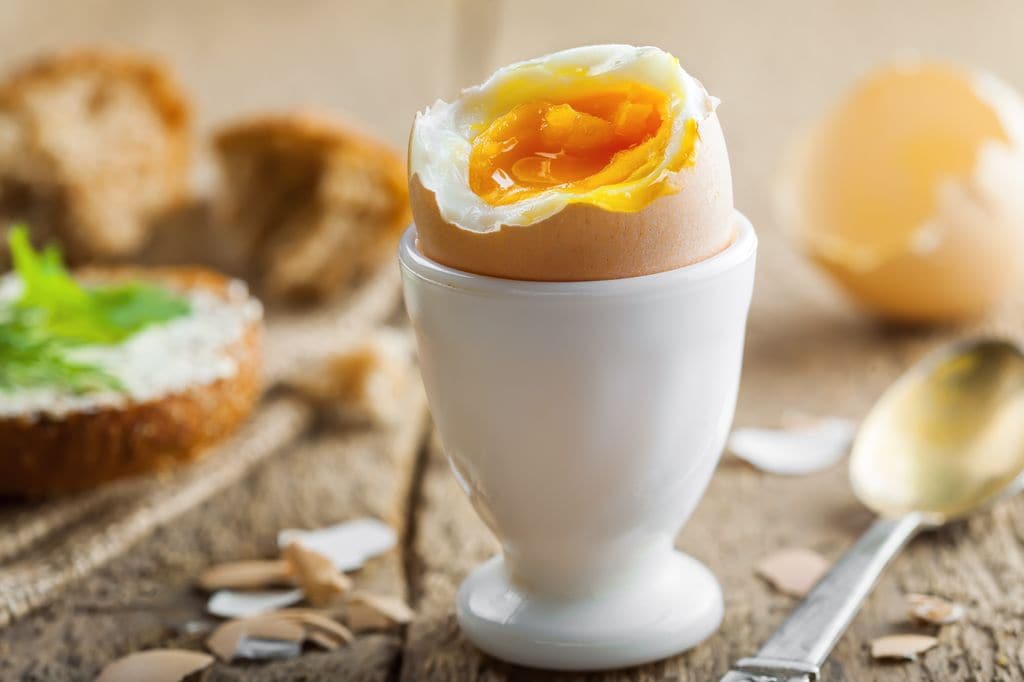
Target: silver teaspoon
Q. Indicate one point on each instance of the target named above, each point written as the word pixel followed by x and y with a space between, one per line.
pixel 944 441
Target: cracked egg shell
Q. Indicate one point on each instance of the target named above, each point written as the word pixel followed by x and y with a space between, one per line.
pixel 910 193
pixel 680 214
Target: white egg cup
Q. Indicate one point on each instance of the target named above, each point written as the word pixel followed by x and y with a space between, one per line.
pixel 584 420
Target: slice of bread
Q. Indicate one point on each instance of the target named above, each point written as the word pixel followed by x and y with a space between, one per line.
pixel 311 203
pixel 92 145
pixel 187 384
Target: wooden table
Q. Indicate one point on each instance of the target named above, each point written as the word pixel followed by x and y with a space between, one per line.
pixel 774 65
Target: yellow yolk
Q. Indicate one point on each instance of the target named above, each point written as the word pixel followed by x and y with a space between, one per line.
pixel 578 146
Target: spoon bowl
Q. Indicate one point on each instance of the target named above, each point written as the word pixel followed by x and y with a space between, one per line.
pixel 947 437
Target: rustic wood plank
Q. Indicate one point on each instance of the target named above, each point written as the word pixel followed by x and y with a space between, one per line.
pixel 147 598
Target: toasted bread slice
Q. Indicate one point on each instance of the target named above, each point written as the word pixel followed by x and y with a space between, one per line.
pixel 187 384
pixel 311 203
pixel 92 145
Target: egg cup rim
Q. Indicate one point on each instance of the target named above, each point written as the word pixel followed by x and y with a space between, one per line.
pixel 416 264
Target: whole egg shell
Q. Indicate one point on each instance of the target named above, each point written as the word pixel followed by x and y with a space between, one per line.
pixel 584 242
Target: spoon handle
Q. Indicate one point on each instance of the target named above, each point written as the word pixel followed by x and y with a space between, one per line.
pixel 803 642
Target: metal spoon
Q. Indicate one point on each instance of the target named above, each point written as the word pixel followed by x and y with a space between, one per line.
pixel 946 439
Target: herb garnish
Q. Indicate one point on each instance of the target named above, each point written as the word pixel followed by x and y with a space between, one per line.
pixel 55 314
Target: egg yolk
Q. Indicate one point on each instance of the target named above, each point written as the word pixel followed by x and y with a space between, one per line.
pixel 577 144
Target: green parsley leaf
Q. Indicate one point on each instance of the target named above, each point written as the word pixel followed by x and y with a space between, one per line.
pixel 55 313
pixel 102 314
pixel 29 359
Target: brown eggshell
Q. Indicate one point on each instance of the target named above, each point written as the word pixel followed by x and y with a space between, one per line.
pixel 914 228
pixel 959 279
pixel 584 242
pixel 245 575
pixel 225 639
pixel 155 665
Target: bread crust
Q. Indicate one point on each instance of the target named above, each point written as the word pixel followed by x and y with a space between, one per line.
pixel 43 455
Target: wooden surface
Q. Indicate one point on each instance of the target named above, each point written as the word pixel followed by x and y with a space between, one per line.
pixel 774 65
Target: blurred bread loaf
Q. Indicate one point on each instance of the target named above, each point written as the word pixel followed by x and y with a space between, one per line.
pixel 92 144
pixel 311 203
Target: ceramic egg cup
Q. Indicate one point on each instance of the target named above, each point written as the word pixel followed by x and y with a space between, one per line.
pixel 584 420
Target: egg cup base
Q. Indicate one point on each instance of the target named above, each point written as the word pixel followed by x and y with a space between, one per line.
pixel 635 624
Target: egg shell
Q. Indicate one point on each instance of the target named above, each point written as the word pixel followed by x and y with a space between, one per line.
pixel 951 246
pixel 155 665
pixel 976 258
pixel 583 242
pixel 960 279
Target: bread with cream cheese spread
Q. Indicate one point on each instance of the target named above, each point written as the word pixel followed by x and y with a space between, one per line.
pixel 187 384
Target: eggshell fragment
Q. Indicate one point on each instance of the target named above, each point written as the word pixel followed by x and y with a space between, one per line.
pixel 155 665
pixel 316 575
pixel 232 604
pixel 934 610
pixel 316 623
pixel 256 649
pixel 794 451
pixel 584 242
pixel 368 611
pixel 277 635
pixel 793 571
pixel 901 647
pixel 347 544
pixel 324 641
pixel 233 639
pixel 245 575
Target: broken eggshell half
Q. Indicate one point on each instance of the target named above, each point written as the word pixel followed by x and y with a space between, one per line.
pixel 910 192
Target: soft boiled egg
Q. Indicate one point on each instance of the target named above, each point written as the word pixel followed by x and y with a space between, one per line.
pixel 910 192
pixel 598 162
